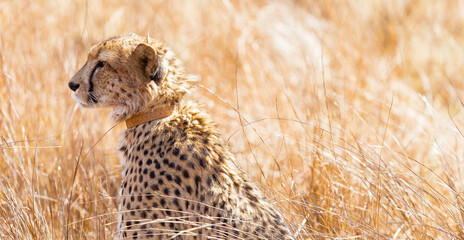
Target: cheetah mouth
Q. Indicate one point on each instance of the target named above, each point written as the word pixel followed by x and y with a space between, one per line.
pixel 90 100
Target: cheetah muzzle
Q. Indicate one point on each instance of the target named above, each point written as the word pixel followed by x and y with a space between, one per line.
pixel 179 180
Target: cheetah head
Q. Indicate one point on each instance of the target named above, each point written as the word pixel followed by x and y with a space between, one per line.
pixel 130 74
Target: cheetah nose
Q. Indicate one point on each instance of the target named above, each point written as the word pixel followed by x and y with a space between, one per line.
pixel 73 85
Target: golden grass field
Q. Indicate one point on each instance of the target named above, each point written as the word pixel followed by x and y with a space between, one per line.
pixel 348 114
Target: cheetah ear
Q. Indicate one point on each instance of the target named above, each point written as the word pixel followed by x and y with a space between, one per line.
pixel 145 56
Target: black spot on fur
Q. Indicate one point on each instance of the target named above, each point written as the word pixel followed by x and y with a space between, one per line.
pixel 222 204
pixel 178 168
pixel 215 179
pixel 175 151
pixel 169 177
pixel 122 148
pixel 160 181
pixel 176 202
pixel 197 181
pixel 202 162
pixel 183 157
pixel 252 197
pixel 191 165
pixel 167 213
pixel 149 196
pixel 178 180
pixel 189 189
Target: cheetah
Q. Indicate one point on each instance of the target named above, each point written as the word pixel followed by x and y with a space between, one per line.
pixel 179 180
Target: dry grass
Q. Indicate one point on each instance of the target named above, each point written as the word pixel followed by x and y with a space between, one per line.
pixel 348 114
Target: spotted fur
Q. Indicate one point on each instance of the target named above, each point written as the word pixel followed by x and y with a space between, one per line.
pixel 179 180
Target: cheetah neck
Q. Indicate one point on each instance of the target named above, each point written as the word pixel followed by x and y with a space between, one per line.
pixel 149 115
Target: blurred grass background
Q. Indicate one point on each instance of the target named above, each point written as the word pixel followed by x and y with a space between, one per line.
pixel 348 113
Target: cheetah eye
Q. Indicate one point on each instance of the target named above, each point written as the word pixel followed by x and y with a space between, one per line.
pixel 94 71
pixel 98 67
